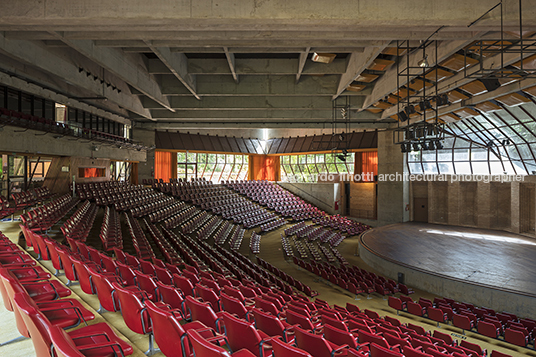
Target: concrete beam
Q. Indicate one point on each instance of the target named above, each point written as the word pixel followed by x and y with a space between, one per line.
pixel 301 63
pixel 254 86
pixel 61 66
pixel 178 65
pixel 258 114
pixel 219 125
pixel 130 69
pixel 356 65
pixel 231 61
pixel 250 103
pixel 387 83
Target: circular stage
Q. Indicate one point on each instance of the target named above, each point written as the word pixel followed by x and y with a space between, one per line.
pixel 497 259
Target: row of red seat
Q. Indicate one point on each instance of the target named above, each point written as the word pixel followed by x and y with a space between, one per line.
pixel 520 332
pixel 44 217
pixel 221 235
pixel 80 223
pixel 41 315
pixel 342 223
pixel 193 224
pixel 208 228
pixel 255 243
pixel 139 240
pixel 30 197
pixel 111 235
pixel 269 226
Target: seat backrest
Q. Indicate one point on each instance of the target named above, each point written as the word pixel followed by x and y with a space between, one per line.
pixel 133 310
pixel 498 354
pixel 203 348
pixel 314 344
pixel 282 349
pixel 167 330
pixel 208 295
pixel 170 295
pixel 443 336
pixel 241 334
pixel 163 275
pixel 126 273
pixel 379 351
pixel 37 324
pixel 84 278
pixel 203 312
pixel 365 336
pixel 326 320
pixel 233 306
pixel 184 284
pixel 294 318
pixel 411 352
pixel 266 305
pixel 268 323
pixel 146 282
pixel 395 303
pixel 64 345
pixel 339 337
pixel 105 290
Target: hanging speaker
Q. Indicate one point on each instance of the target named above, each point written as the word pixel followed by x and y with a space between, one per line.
pixel 491 83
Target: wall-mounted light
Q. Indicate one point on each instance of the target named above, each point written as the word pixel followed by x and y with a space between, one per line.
pixel 424 62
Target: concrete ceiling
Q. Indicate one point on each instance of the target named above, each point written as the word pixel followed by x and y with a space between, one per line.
pixel 242 64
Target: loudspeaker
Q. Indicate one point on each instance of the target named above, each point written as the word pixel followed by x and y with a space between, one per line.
pixel 491 83
pixel 401 278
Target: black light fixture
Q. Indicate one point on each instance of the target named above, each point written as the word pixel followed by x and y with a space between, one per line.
pixel 416 147
pixel 410 109
pixel 403 116
pixel 404 148
pixel 341 157
pixel 431 145
pixel 439 145
pixel 425 104
pixel 424 146
pixel 442 99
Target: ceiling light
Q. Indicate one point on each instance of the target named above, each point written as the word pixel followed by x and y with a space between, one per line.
pixel 410 109
pixel 403 116
pixel 439 145
pixel 323 57
pixel 416 147
pixel 424 62
pixel 341 157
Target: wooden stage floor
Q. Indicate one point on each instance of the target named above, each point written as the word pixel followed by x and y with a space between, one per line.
pixel 494 258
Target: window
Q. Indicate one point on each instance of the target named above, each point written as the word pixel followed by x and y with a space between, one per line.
pixel 306 167
pixel 212 167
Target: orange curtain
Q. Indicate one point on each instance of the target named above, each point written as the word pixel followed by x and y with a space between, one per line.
pixel 366 162
pixel 91 172
pixel 163 165
pixel 264 167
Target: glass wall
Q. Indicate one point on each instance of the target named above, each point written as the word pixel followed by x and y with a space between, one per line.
pixel 492 143
pixel 212 167
pixel 305 168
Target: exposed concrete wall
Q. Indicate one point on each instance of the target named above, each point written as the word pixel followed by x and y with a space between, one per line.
pixel 147 137
pixel 499 300
pixel 480 204
pixel 34 142
pixel 322 195
pixel 393 195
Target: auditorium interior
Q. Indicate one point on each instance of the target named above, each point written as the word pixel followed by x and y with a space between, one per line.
pixel 268 178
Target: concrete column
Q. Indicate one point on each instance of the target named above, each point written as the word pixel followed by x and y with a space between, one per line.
pixel 393 192
pixel 147 137
pixel 483 205
pixel 454 203
pixel 514 207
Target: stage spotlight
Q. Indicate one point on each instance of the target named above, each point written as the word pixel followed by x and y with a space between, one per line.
pixel 416 147
pixel 403 148
pixel 425 104
pixel 403 116
pixel 442 99
pixel 431 145
pixel 439 145
pixel 342 158
pixel 410 109
pixel 424 62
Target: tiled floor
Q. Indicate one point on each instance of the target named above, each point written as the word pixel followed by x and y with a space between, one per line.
pixel 272 252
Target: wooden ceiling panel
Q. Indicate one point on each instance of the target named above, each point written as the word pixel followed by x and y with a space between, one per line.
pixel 475 87
pixel 457 62
pixel 366 77
pixel 456 96
pixel 513 99
pixel 380 64
pixel 466 112
pixel 487 107
pixel 440 73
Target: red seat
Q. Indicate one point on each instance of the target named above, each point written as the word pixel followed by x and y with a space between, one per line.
pixel 396 304
pixel 38 327
pixel 462 322
pixel 184 284
pixel 204 348
pixel 273 326
pixel 416 309
pixel 84 278
pixel 365 336
pixel 105 291
pixel 208 295
pixel 474 347
pixel 445 337
pixel 234 306
pixel 54 257
pixel 437 315
pixel 412 352
pixel 31 273
pixel 341 337
pixel 146 283
pixel 379 351
pixel 169 333
pixel 281 348
pixel 488 329
pixel 68 268
pixel 498 354
pixel 97 339
pixel 515 337
pixel 242 334
pixel 318 346
pixel 202 311
pixel 294 318
pixel 135 314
